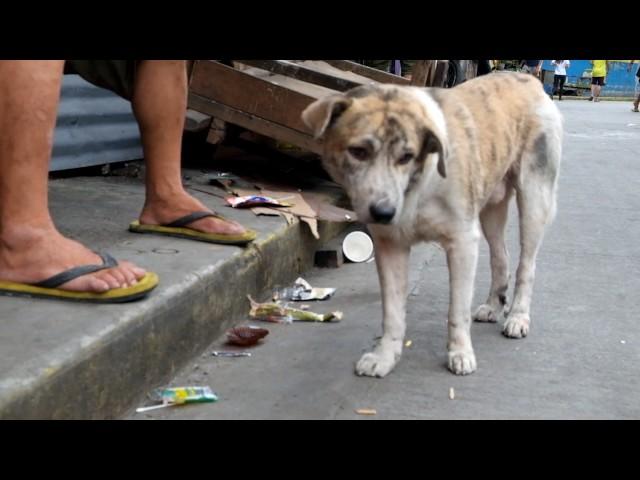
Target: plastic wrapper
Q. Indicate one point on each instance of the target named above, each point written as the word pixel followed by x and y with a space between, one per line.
pixel 249 201
pixel 170 397
pixel 277 313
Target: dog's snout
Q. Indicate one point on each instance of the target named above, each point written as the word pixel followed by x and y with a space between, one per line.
pixel 382 213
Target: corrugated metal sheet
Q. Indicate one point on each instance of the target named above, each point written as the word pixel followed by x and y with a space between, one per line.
pixel 620 82
pixel 94 127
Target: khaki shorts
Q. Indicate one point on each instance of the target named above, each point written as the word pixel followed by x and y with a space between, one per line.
pixel 116 75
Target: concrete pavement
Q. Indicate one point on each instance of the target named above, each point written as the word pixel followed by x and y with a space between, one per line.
pixel 581 359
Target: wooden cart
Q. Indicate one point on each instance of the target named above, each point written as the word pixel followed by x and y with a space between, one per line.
pixel 268 96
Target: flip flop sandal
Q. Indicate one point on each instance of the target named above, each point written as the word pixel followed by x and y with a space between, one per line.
pixel 48 288
pixel 178 228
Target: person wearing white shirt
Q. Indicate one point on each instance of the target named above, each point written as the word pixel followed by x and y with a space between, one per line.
pixel 559 77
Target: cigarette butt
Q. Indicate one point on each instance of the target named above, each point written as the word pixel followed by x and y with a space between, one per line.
pixel 452 394
pixel 154 407
pixel 366 411
pixel 408 343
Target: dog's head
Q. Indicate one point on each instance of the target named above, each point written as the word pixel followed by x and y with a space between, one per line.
pixel 380 143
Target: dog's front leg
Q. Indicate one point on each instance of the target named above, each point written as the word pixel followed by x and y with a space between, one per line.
pixel 462 257
pixel 392 260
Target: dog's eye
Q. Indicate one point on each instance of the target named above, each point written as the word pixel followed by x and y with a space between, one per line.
pixel 358 153
pixel 406 158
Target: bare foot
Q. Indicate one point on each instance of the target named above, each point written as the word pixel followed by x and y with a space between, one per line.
pixel 159 212
pixel 31 256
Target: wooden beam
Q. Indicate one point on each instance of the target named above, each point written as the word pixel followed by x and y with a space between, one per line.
pixel 471 70
pixel 440 75
pixel 255 96
pixel 420 73
pixel 254 123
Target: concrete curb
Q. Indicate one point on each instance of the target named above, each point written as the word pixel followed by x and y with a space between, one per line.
pixel 103 378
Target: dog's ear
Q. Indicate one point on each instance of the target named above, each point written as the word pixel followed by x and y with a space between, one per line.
pixel 432 144
pixel 323 112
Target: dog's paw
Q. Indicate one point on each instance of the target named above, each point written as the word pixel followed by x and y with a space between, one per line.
pixel 376 364
pixel 486 313
pixel 462 362
pixel 516 326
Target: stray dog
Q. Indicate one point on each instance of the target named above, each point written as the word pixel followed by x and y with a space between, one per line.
pixel 438 165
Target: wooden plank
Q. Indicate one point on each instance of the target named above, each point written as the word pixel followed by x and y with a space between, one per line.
pixel 303 73
pixel 372 73
pixel 324 67
pixel 291 84
pixel 255 96
pixel 254 123
pixel 431 73
pixel 196 121
pixel 217 132
pixel 420 73
pixel 288 83
pixel 471 70
pixel 440 76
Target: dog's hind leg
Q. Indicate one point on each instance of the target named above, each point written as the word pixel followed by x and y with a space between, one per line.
pixel 392 260
pixel 536 196
pixel 493 219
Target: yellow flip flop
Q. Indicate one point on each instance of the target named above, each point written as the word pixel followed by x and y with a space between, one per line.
pixel 177 228
pixel 48 288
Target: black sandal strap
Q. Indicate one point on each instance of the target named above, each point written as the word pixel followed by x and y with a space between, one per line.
pixel 187 219
pixel 52 282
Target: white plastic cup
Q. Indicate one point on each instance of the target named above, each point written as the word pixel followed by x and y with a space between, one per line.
pixel 357 247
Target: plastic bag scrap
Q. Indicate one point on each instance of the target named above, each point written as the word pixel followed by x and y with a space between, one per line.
pixel 301 291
